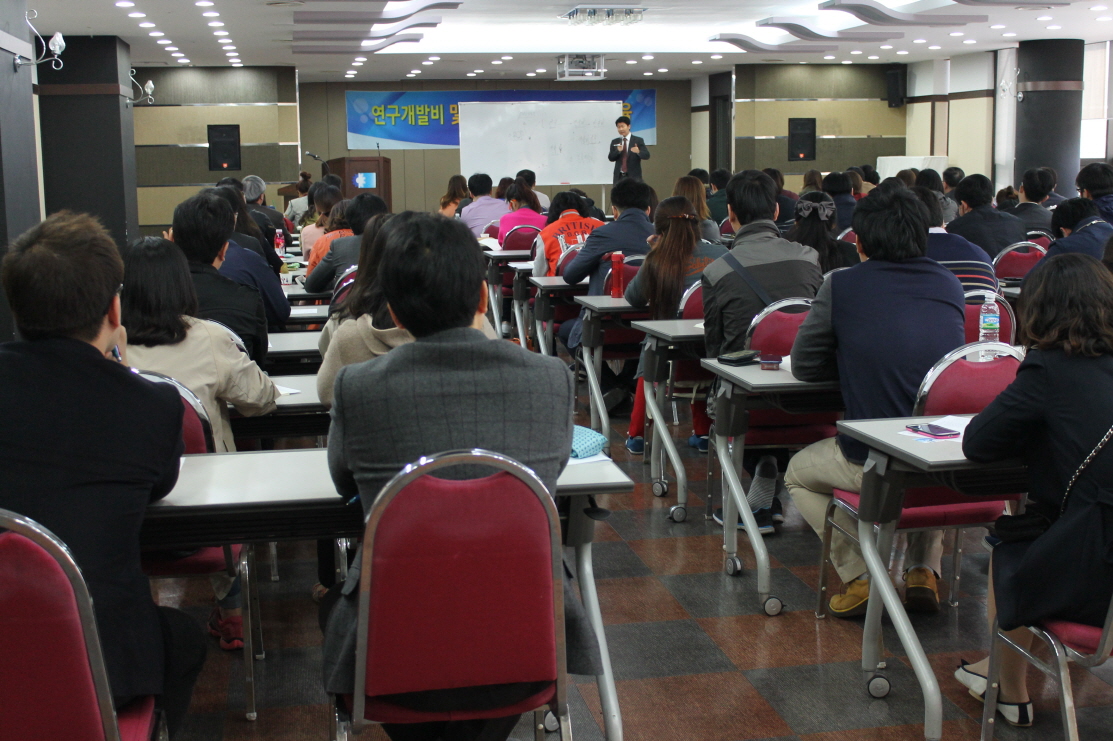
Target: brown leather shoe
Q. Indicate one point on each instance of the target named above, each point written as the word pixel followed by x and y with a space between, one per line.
pixel 921 591
pixel 852 602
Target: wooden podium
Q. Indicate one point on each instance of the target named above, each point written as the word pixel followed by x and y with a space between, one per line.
pixel 363 175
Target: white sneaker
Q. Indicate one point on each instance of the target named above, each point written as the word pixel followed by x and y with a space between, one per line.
pixel 1014 713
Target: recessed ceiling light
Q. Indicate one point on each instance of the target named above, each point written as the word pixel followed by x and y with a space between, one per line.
pixel 471 74
pixel 233 59
pixel 411 75
pixel 631 61
pixel 156 34
pixel 856 51
pixel 847 61
pixel 125 4
pixel 137 15
pixel 204 3
pixel 427 63
pixel 873 57
pixel 648 74
pixel 1044 18
pixel 505 57
pixel 434 59
pixel 146 24
pixel 171 48
pixel 361 59
pixel 541 71
pixel 935 47
pixel 1053 28
pixel 496 61
pixel 225 41
pixel 1104 18
pixel 997 26
pixel 183 61
pixel 351 72
pixel 969 41
pixel 1007 35
pixel 357 64
pixel 177 54
pixel 829 56
pixel 231 53
pixel 886 46
pixel 716 56
pixel 647 56
pixel 415 72
pixel 803 62
pixel 220 33
pixel 919 41
pixel 478 71
pixel 165 41
pixel 697 61
pixel 1095 7
pixel 531 74
pixel 216 24
pixel 227 48
pixel 957 33
pixel 663 69
pixel 902 52
pixel 210 14
pixel 238 64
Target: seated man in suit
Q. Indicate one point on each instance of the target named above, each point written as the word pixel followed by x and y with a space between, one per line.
pixel 1035 184
pixel 86 445
pixel 1080 227
pixel 202 226
pixel 980 222
pixel 343 253
pixel 627 152
pixel 432 389
pixel 878 328
pixel 969 262
pixel 717 201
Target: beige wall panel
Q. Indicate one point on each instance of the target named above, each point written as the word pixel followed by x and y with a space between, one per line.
pixel 440 165
pixel 970 144
pixel 413 163
pixel 918 136
pixel 942 128
pixel 701 141
pixel 188 124
pixel 156 204
pixel 833 117
pixel 744 124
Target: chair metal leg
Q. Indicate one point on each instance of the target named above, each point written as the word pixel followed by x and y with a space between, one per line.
pixel 608 694
pixel 664 447
pixel 825 559
pixel 248 644
pixel 993 686
pixel 340 556
pixel 274 560
pixel 539 724
pixel 256 614
pixel 956 569
pixel 565 724
pixel 1066 692
pixel 709 506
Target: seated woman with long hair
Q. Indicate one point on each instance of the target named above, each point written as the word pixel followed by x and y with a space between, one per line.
pixel 817 228
pixel 691 187
pixel 675 263
pixel 524 207
pixel 455 198
pixel 325 197
pixel 337 227
pixel 569 224
pixel 1052 416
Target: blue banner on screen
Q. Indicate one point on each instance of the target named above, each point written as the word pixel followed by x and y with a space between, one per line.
pixel 431 120
pixel 364 180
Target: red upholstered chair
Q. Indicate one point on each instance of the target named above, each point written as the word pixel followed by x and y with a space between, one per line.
pixel 954 385
pixel 491 230
pixel 1011 263
pixel 974 301
pixel 197 434
pixel 726 228
pixel 344 285
pixel 520 237
pixel 1040 237
pixel 1085 645
pixel 460 586
pixel 53 682
pixel 848 235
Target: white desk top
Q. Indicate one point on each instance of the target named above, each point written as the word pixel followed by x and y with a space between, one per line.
pixel 308 397
pixel 506 255
pixel 521 267
pixel 293 343
pixel 308 314
pixel 752 379
pixel 296 291
pixel 282 476
pixel 884 435
pixel 555 283
pixel 672 330
pixel 607 305
pixel 1010 292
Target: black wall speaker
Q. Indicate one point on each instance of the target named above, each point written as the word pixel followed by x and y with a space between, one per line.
pixel 895 85
pixel 224 147
pixel 801 139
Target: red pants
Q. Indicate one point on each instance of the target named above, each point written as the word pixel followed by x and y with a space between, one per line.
pixel 701 423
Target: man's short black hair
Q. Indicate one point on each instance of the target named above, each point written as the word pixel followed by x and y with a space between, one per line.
pixel 60 277
pixel 333 180
pixel 1037 183
pixel 432 273
pixel 720 178
pixel 1096 179
pixel 362 208
pixel 752 195
pixel 891 226
pixel 622 119
pixel 974 191
pixel 529 176
pixel 837 183
pixel 952 176
pixel 931 202
pixel 1054 175
pixel 702 174
pixel 630 193
pixel 202 226
pixel 480 184
pixel 230 182
pixel 1071 211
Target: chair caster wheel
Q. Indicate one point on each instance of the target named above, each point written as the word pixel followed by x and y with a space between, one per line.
pixel 733 566
pixel 252 716
pixel 773 606
pixel 551 723
pixel 678 513
pixel 878 686
pixel 660 488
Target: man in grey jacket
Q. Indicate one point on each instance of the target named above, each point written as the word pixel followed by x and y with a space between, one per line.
pixel 451 389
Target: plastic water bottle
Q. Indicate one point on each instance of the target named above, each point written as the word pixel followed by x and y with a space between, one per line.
pixel 990 325
pixel 279 242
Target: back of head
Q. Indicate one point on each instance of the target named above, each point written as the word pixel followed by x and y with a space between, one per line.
pixel 60 277
pixel 855 168
pixel 692 188
pixel 974 191
pixel 254 188
pixel 930 179
pixel 529 176
pixel 302 185
pixel 157 294
pixel 703 175
pixel 908 177
pixel 815 216
pixel 1071 211
pixel 520 192
pixel 677 225
pixel 869 174
pixel 1007 198
pixel 836 183
pixel 931 203
pixel 813 179
pixel 480 184
pixel 325 199
pixel 361 208
pixel 230 182
pixel 952 176
pixel 629 193
pixel 778 178
pixel 333 180
pixel 1037 183
pixel 457 187
pixel 720 178
pixel 1054 175
pixel 243 221
pixel 500 191
pixel 366 295
pixel 338 217
pixel 752 196
pixel 432 273
pixel 888 185
pixel 566 200
pixel 1067 305
pixel 202 226
pixel 855 180
pixel 1096 179
pixel 891 226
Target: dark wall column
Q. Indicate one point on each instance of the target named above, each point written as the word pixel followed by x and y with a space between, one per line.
pixel 721 92
pixel 19 180
pixel 88 134
pixel 1049 118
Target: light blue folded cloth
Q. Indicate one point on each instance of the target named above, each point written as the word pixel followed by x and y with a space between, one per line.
pixel 586 442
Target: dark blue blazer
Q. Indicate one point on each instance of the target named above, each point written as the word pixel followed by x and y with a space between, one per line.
pixel 1088 237
pixel 248 269
pixel 626 234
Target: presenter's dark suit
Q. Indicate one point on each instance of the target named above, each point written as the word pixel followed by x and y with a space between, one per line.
pixel 633 161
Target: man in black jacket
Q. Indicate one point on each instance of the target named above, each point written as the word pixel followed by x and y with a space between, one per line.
pixel 86 445
pixel 269 220
pixel 343 253
pixel 1034 187
pixel 627 152
pixel 980 222
pixel 202 226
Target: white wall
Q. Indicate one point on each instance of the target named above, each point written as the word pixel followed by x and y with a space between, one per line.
pixel 701 91
pixel 972 72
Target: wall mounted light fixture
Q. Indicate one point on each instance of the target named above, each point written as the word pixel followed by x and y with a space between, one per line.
pixel 53 48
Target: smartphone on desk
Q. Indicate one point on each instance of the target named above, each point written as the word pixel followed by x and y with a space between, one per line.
pixel 936 431
pixel 742 357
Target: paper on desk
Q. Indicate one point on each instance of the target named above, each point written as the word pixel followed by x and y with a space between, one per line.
pixel 699 325
pixel 490 243
pixel 303 310
pixel 286 390
pixel 590 459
